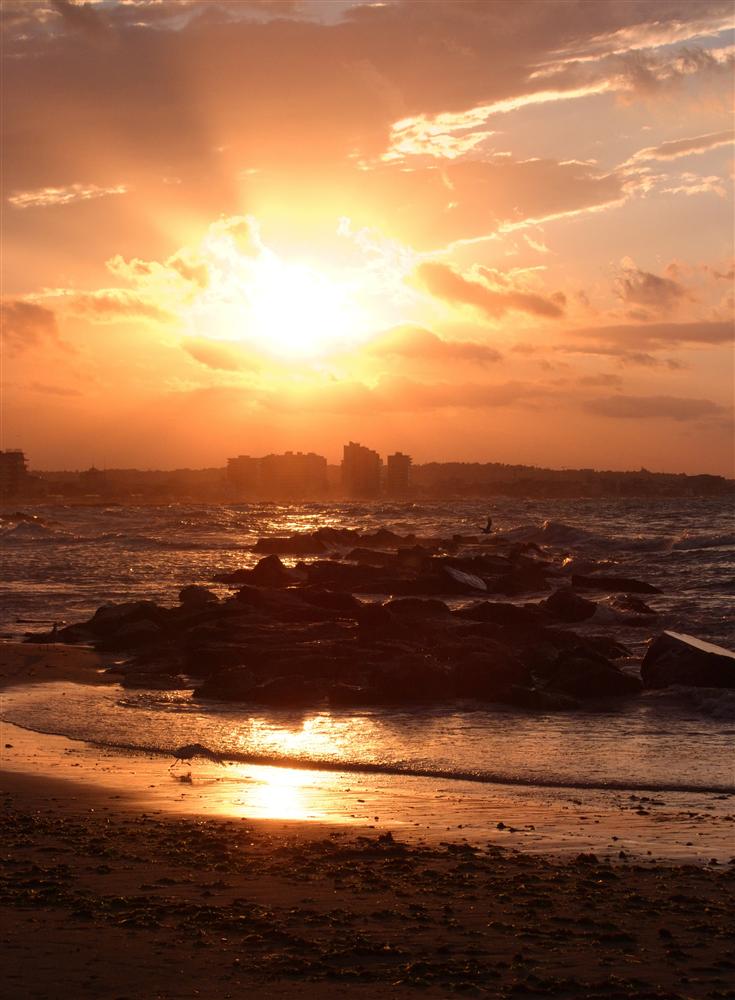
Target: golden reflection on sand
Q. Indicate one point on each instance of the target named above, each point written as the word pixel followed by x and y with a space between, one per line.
pixel 287 793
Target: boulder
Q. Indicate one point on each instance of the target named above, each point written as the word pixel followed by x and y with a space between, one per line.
pixel 293 691
pixel 488 677
pixel 566 606
pixel 613 584
pixel 130 635
pixel 195 596
pixel 418 608
pixel 233 684
pixel 457 581
pixel 294 545
pixel 270 572
pixel 583 674
pixel 675 658
pixel 500 613
pixel 111 617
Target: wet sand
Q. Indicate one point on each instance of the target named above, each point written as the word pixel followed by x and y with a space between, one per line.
pixel 114 889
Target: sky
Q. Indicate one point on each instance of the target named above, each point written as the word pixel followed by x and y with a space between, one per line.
pixel 494 231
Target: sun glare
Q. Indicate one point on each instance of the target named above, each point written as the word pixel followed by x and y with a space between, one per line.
pixel 289 309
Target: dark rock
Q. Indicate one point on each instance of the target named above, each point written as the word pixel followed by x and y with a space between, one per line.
pixel 195 596
pixel 583 674
pixel 233 684
pixel 111 617
pixel 526 579
pixel 417 608
pixel 489 676
pixel 674 658
pixel 295 545
pixel 566 606
pixel 289 692
pixel 270 572
pixel 130 636
pixel 499 613
pixel 614 584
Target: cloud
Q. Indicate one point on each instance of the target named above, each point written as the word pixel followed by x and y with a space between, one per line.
pixel 443 282
pixel 676 148
pixel 654 407
pixel 48 197
pixel 690 184
pixel 26 325
pixel 603 378
pixel 415 343
pixel 53 390
pixel 217 355
pixel 659 336
pixel 652 291
pixel 109 305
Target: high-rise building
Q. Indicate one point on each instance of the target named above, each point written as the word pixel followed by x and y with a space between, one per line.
pixel 360 471
pixel 293 476
pixel 243 476
pixel 398 480
pixel 14 478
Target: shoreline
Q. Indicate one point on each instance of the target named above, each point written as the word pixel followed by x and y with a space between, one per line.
pixel 558 822
pixel 189 889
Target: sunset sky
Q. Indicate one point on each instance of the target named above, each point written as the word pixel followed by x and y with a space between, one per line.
pixel 476 231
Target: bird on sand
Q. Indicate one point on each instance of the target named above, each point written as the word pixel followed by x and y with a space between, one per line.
pixel 192 750
pixel 488 527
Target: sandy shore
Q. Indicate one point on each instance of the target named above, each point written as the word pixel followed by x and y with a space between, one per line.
pixel 113 888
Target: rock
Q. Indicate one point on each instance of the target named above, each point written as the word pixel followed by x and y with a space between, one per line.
pixel 583 674
pixel 500 613
pixel 130 636
pixel 194 596
pixel 295 545
pixel 675 658
pixel 270 572
pixel 111 617
pixel 614 584
pixel 289 692
pixel 233 684
pixel 489 677
pixel 461 582
pixel 566 606
pixel 417 608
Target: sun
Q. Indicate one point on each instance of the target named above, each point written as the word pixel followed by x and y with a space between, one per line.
pixel 284 308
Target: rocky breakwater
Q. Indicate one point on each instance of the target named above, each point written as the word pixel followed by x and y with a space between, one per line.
pixel 435 629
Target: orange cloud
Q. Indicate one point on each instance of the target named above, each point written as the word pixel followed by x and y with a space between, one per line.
pixel 417 344
pixel 445 283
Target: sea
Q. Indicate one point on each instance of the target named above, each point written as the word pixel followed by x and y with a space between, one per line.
pixel 61 562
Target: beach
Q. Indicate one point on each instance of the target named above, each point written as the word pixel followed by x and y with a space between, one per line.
pixel 139 892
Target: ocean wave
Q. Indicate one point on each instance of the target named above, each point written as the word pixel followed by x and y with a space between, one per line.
pixel 691 540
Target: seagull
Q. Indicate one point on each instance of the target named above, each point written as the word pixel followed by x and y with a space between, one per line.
pixel 488 528
pixel 192 750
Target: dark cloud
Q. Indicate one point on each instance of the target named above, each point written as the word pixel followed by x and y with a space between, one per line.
pixel 447 284
pixel 659 336
pixel 25 325
pixel 652 291
pixel 417 344
pixel 654 407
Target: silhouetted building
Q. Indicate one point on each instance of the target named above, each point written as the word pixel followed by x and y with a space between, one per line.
pixel 293 476
pixel 243 475
pixel 14 478
pixel 360 471
pixel 398 481
pixel 93 480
